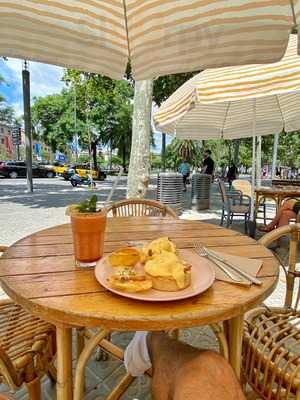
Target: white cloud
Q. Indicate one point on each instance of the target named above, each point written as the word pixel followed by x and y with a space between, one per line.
pixel 18 107
pixel 44 79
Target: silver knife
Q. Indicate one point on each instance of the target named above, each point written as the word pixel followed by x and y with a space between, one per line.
pixel 250 277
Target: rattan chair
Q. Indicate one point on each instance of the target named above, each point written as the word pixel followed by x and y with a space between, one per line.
pixel 229 207
pixel 139 208
pixel 27 348
pixel 271 346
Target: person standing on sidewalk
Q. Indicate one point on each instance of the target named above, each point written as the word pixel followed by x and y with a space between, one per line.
pixel 184 169
pixel 208 163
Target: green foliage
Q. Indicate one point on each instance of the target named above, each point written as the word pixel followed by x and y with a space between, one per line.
pixel 7 113
pixel 88 206
pixel 156 161
pixel 116 160
pixel 103 114
pixel 164 86
pixel 178 149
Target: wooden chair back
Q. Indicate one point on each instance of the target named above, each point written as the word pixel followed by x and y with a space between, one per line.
pixel 291 230
pixel 223 192
pixel 4 299
pixel 224 196
pixel 139 208
pixel 243 186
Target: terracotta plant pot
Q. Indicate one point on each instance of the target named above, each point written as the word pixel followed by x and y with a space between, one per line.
pixel 88 235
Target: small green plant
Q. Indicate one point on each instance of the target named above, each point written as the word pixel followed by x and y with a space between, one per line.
pixel 88 206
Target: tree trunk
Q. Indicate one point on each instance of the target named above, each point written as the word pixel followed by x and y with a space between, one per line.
pixel 94 153
pixel 236 145
pixel 139 166
pixel 124 155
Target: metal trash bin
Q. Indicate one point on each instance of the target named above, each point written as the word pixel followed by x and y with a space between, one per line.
pixel 201 185
pixel 169 190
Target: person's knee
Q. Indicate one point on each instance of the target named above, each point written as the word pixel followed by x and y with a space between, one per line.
pixel 208 374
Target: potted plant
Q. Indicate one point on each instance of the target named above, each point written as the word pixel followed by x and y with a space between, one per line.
pixel 88 228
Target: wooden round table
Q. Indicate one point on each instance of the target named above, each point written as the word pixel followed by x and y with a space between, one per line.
pixel 276 193
pixel 39 273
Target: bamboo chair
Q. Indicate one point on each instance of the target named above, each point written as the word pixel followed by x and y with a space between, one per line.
pixel 139 208
pixel 27 348
pixel 271 347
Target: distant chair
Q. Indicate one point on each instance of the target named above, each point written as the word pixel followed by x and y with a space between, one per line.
pixel 229 207
pixel 27 347
pixel 140 208
pixel 271 345
pixel 245 188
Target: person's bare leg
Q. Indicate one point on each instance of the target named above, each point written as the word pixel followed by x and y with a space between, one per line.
pixel 182 372
pixel 285 217
pixel 287 206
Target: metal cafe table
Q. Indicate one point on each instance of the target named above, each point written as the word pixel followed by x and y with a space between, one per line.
pixel 39 273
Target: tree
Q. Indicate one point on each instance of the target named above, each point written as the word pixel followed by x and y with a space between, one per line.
pixel 107 107
pixel 164 86
pixel 7 113
pixel 139 167
pixel 52 118
pixel 189 150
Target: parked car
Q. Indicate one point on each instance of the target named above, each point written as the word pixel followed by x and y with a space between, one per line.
pixel 83 170
pixel 16 169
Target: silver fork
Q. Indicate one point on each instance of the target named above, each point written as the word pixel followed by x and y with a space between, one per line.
pixel 200 250
pixel 133 243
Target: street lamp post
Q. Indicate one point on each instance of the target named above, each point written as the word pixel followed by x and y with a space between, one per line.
pixel 75 125
pixel 27 124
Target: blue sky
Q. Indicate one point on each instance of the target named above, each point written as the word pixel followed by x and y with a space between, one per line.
pixel 45 79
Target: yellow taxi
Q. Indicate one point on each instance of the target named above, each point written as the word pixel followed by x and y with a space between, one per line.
pixel 60 169
pixel 83 170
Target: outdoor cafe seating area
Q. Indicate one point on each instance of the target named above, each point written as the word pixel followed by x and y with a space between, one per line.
pixel 28 357
pixel 118 300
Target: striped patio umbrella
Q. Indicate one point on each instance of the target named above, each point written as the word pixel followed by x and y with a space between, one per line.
pixel 224 102
pixel 158 36
pixel 236 102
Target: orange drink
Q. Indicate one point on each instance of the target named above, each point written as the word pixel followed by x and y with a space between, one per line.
pixel 88 235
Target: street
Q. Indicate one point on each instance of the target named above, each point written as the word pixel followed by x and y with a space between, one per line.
pixel 23 213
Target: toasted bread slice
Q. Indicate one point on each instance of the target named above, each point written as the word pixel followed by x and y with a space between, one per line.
pixel 133 284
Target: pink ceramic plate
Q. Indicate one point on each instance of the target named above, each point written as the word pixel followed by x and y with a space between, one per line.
pixel 203 276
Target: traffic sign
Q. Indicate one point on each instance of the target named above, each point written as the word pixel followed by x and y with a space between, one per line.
pixel 16 135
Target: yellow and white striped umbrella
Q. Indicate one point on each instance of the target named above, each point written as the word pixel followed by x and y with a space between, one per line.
pixel 225 102
pixel 158 36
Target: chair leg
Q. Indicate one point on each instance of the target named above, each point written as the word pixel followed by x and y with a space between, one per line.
pixel 222 217
pixel 52 373
pixel 101 355
pixel 34 389
pixel 265 213
pixel 82 360
pixel 246 221
pixel 229 220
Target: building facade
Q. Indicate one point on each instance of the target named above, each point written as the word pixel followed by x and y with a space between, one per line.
pixel 6 144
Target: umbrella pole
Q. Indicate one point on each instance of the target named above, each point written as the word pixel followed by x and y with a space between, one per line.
pixel 275 153
pixel 252 217
pixel 258 161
